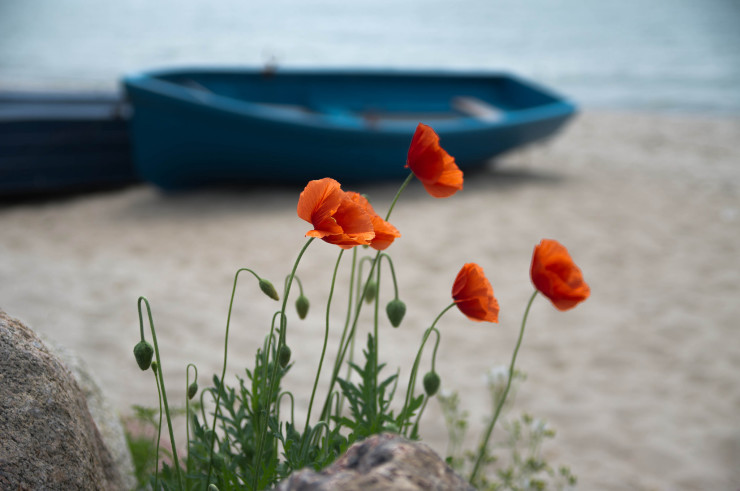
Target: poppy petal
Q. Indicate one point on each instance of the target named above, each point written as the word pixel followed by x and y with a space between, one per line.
pixel 473 294
pixel 432 165
pixel 319 200
pixel 425 157
pixel 352 217
pixel 335 217
pixel 385 233
pixel 556 276
pixel 475 309
pixel 450 181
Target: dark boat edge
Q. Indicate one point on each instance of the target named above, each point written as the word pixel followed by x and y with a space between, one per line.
pixel 54 143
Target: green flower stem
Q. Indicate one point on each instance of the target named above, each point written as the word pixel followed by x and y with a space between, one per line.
pixel 336 398
pixel 350 361
pixel 426 398
pixel 315 432
pixel 398 194
pixel 209 390
pixel 393 274
pixel 375 316
pixel 354 272
pixel 343 351
pixel 159 431
pixel 276 365
pixel 283 319
pixel 141 320
pixel 223 370
pixel 417 360
pixel 375 330
pixel 392 393
pixel 377 307
pixel 359 269
pixel 298 280
pixel 292 406
pixel 187 406
pixel 415 428
pixel 323 349
pixel 345 332
pixel 175 460
pixel 326 409
pixel 489 430
pixel 434 352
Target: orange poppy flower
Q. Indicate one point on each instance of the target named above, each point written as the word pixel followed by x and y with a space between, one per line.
pixel 336 218
pixel 385 233
pixel 473 294
pixel 556 276
pixel 432 165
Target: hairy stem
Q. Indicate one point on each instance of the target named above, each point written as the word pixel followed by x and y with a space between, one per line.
pixel 489 430
pixel 323 349
pixel 223 370
pixel 276 365
pixel 175 460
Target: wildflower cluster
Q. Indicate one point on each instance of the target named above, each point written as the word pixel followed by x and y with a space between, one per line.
pixel 249 444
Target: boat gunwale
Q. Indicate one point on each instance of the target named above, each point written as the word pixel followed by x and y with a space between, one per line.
pixel 152 82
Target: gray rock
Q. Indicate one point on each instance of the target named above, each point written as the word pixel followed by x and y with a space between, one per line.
pixel 381 462
pixel 48 438
pixel 106 418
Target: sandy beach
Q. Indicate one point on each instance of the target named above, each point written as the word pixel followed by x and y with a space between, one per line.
pixel 641 381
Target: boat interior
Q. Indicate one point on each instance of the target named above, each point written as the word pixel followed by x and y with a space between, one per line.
pixel 374 98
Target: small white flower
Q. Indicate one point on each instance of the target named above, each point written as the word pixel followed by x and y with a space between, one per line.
pixel 497 375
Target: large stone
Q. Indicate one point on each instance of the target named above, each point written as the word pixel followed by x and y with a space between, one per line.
pixel 104 414
pixel 381 462
pixel 48 439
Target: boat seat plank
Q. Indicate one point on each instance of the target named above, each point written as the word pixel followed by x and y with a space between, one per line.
pixel 477 108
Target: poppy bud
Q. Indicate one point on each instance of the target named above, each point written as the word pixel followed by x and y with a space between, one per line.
pixel 431 383
pixel 192 390
pixel 371 291
pixel 268 289
pixel 395 309
pixel 212 487
pixel 143 353
pixel 218 461
pixel 301 306
pixel 155 365
pixel 284 356
pixel 392 428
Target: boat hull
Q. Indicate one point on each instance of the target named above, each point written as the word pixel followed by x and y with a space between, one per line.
pixel 191 128
pixel 62 142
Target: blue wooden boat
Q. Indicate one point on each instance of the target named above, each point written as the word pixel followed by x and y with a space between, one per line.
pixel 195 127
pixel 62 142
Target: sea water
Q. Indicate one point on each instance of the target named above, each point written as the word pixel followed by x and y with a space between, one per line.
pixel 657 55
